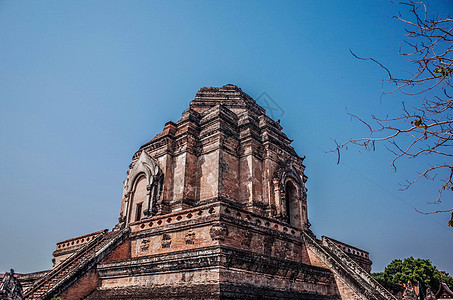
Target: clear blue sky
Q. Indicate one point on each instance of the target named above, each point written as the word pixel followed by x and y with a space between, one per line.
pixel 83 84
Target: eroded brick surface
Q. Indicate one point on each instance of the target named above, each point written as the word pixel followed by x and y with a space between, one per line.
pixel 85 285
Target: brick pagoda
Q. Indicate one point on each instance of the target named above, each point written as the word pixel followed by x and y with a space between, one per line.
pixel 213 207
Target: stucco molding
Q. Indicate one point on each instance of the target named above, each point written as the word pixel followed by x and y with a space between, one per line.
pixel 149 168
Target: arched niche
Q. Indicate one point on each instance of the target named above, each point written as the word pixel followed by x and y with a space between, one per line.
pixel 139 194
pixel 142 189
pixel 289 196
pixel 293 203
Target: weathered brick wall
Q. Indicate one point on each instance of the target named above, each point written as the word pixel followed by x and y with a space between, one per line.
pixel 166 164
pixel 192 229
pixel 189 279
pixel 345 291
pixel 166 241
pixel 314 260
pixel 267 243
pixel 82 287
pixel 229 176
pixel 278 285
pixel 123 251
pixel 209 175
pixel 235 274
pixel 305 258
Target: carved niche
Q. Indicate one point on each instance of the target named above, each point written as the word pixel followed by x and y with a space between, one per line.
pixel 290 195
pixel 145 168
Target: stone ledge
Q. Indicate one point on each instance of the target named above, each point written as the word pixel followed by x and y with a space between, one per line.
pixel 215 256
pixel 144 292
pixel 222 291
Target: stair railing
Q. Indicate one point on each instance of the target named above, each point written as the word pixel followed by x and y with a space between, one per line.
pixel 68 261
pixel 103 245
pixel 357 268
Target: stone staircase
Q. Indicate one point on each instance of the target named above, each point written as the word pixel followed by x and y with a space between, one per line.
pixel 67 272
pixel 360 281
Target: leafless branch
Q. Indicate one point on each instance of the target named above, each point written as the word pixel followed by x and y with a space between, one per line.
pixel 426 129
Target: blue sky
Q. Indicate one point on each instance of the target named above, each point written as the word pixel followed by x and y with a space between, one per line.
pixel 83 84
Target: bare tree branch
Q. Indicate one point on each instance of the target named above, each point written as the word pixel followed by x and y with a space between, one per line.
pixel 426 129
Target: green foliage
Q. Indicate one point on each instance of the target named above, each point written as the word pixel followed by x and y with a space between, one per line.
pixel 445 277
pixel 444 71
pixel 414 270
pixel 56 298
pixel 379 276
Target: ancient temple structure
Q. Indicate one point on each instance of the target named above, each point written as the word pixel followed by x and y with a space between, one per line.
pixel 213 207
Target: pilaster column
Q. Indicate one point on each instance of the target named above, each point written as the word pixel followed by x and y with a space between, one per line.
pixel 127 204
pixel 147 205
pixel 277 198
